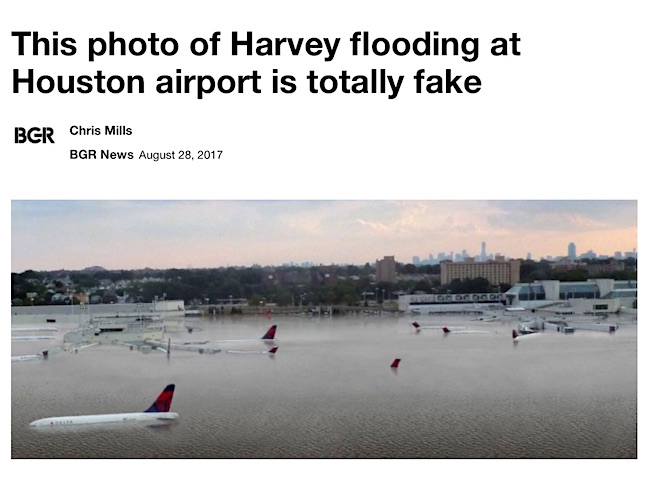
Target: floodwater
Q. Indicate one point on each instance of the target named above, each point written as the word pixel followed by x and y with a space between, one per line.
pixel 329 392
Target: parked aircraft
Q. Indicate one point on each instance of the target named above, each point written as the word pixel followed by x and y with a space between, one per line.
pixel 270 351
pixel 33 338
pixel 159 411
pixel 268 336
pixel 207 346
pixel 454 330
pixel 517 336
pixel 420 327
pixel 486 318
pixel 30 357
pixel 34 329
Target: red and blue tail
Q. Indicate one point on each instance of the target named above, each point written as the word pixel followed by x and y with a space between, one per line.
pixel 271 333
pixel 164 400
pixel 395 363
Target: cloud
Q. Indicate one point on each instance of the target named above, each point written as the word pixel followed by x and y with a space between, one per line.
pixel 203 233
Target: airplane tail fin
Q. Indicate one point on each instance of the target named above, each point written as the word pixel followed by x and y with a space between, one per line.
pixel 514 333
pixel 44 354
pixel 395 364
pixel 416 325
pixel 271 333
pixel 164 400
pixel 446 330
pixel 273 350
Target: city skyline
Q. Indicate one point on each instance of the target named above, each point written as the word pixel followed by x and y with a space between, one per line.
pixel 122 234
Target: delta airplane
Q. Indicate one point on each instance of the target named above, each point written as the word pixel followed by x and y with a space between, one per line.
pixel 158 411
pixel 454 330
pixel 268 336
pixel 202 347
pixel 166 348
pixel 420 327
pixel 271 351
pixel 395 363
pixel 30 357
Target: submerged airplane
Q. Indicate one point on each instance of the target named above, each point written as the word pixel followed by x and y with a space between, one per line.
pixel 454 330
pixel 159 411
pixel 30 357
pixel 486 318
pixel 34 329
pixel 268 336
pixel 517 336
pixel 420 327
pixel 147 342
pixel 205 347
pixel 33 338
pixel 271 351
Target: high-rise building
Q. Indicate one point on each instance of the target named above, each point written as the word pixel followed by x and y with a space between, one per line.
pixel 386 270
pixel 496 272
pixel 572 251
pixel 483 252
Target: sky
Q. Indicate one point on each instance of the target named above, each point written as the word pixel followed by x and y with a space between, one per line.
pixel 134 234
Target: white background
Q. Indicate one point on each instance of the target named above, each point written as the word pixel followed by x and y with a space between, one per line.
pixel 574 116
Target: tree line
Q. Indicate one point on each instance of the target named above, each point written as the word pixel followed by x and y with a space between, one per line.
pixel 286 285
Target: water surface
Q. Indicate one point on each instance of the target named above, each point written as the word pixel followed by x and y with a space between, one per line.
pixel 329 392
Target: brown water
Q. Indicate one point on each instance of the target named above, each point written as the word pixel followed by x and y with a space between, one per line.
pixel 329 392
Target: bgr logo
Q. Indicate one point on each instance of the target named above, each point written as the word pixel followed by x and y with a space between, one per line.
pixel 34 135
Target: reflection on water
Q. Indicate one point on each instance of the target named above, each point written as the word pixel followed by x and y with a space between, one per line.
pixel 330 392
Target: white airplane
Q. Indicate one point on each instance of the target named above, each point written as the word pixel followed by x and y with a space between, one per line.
pixel 30 357
pixel 33 338
pixel 34 329
pixel 270 351
pixel 268 336
pixel 205 347
pixel 486 318
pixel 420 327
pixel 517 336
pixel 454 330
pixel 167 347
pixel 159 411
pixel 530 326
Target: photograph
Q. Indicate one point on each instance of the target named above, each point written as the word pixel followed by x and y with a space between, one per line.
pixel 324 329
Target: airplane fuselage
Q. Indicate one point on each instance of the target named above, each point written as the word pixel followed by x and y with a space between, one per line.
pixel 105 419
pixel 32 338
pixel 26 357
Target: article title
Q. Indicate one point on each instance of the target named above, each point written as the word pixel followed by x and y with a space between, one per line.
pixel 248 44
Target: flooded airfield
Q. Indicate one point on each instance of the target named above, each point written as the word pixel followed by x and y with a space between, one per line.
pixel 329 392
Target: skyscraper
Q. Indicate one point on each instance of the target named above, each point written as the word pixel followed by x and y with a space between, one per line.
pixel 572 252
pixel 483 252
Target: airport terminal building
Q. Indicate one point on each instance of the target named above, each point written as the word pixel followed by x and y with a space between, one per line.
pixel 581 297
pixel 596 296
